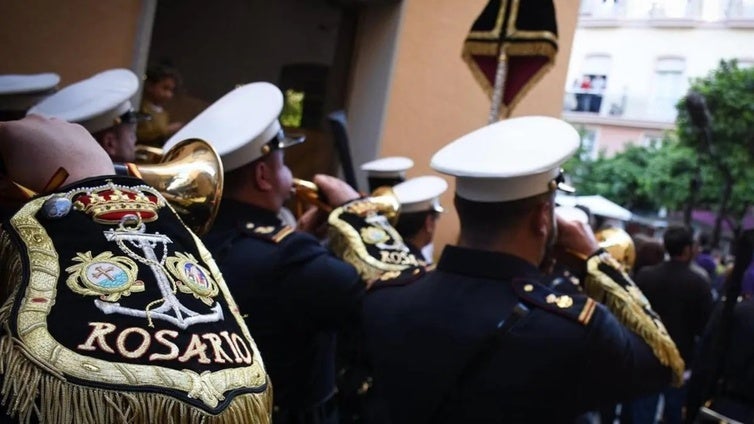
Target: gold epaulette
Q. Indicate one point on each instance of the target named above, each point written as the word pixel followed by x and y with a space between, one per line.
pixel 579 309
pixel 271 233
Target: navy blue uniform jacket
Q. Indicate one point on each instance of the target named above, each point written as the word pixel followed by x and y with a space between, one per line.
pixel 439 356
pixel 294 295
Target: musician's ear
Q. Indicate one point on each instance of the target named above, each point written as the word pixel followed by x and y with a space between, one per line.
pixel 262 175
pixel 541 219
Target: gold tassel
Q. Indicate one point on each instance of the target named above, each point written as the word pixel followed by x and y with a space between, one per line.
pixel 29 393
pixel 633 310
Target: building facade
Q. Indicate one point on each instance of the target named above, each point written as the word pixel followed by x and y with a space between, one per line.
pixel 632 60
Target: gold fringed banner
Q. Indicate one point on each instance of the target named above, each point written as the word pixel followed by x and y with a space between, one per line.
pixel 34 392
pixel 624 299
pixel 524 34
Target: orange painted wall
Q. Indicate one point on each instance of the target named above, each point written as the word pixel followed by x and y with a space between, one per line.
pixel 434 98
pixel 74 38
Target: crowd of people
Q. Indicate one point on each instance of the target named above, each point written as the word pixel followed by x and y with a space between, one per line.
pixel 112 310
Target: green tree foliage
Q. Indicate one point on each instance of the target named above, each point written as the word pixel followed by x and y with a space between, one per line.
pixel 729 94
pixel 618 178
pixel 645 179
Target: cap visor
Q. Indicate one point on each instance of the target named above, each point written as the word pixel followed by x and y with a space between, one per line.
pixel 566 188
pixel 291 140
pixel 133 117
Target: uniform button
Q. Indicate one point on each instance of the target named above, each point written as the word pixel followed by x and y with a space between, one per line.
pixel 528 288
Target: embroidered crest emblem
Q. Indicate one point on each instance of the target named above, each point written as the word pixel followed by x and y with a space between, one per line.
pixel 374 235
pixel 104 275
pixel 192 278
pixel 111 277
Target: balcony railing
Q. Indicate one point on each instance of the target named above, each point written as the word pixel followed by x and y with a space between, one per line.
pixel 620 106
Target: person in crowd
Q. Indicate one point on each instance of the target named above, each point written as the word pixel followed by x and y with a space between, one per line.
pixel 721 388
pixel 480 339
pixel 683 299
pixel 295 294
pixel 19 92
pixel 102 105
pixel 387 171
pixel 649 251
pixel 420 210
pixel 705 259
pixel 159 87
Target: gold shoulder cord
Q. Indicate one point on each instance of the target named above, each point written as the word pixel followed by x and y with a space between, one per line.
pixel 633 310
pixel 35 387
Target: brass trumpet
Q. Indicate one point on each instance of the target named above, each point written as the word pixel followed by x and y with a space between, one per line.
pixel 190 177
pixel 307 193
pixel 619 244
pixel 148 155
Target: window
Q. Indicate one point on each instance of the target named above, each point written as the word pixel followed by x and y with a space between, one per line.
pixel 669 86
pixel 745 63
pixel 293 109
pixel 601 8
pixel 651 140
pixel 305 89
pixel 741 9
pixel 590 87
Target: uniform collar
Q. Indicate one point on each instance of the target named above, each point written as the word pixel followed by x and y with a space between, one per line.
pixel 485 264
pixel 235 211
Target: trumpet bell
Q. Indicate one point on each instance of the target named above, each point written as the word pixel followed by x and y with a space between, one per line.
pixel 190 177
pixel 619 244
pixel 148 154
pixel 387 202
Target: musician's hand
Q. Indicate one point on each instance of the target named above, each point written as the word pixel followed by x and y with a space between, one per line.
pixel 34 147
pixel 334 191
pixel 313 221
pixel 576 238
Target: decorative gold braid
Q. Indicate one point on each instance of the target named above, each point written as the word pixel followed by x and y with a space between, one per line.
pixel 26 380
pixel 347 244
pixel 25 383
pixel 634 311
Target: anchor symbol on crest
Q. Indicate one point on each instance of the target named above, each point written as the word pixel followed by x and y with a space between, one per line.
pixel 102 274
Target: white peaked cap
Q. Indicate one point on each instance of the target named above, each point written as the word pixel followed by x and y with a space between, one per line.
pixel 22 91
pixel 509 160
pixel 97 103
pixel 242 125
pixel 420 194
pixel 389 167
